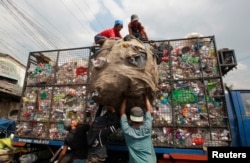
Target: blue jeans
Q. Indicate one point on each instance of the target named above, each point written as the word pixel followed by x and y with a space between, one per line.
pixel 99 37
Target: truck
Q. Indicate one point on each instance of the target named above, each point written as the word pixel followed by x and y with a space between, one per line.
pixel 193 109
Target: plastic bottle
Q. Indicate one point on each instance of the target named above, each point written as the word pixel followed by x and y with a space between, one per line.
pixel 166 112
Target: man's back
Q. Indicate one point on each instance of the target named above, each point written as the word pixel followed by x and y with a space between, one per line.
pixel 77 141
pixel 139 140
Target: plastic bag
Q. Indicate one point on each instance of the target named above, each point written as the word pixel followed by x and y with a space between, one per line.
pixel 184 96
pixel 28 158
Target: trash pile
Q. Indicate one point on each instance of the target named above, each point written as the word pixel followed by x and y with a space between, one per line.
pixel 124 67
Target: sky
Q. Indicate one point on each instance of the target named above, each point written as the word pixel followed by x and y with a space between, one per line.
pixel 37 25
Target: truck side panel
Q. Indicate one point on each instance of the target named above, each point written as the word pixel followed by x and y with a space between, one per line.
pixel 189 112
pixel 238 105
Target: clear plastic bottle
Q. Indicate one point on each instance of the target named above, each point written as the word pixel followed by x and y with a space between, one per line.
pixel 166 112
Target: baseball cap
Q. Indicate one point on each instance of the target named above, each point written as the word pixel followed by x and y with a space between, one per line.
pixel 118 22
pixel 134 17
pixel 136 114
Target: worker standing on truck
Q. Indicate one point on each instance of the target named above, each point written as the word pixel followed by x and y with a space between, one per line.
pixel 136 29
pixel 109 33
pixel 76 140
pixel 138 134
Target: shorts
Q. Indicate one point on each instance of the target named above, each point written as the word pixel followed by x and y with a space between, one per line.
pixel 99 37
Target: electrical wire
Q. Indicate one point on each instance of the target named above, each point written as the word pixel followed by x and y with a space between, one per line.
pixel 93 14
pixel 89 31
pixel 13 38
pixel 63 40
pixel 15 27
pixel 22 24
pixel 7 46
pixel 35 26
pixel 77 6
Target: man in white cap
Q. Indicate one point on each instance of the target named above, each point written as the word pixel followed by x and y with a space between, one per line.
pixel 136 29
pixel 138 134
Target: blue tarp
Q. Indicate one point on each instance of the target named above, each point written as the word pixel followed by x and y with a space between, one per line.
pixel 7 126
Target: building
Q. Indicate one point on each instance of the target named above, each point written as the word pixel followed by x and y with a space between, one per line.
pixel 12 74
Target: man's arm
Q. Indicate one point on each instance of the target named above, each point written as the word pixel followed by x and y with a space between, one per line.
pixel 99 110
pixel 148 104
pixel 123 107
pixel 148 119
pixel 62 153
pixel 113 117
pixel 129 29
pixel 144 32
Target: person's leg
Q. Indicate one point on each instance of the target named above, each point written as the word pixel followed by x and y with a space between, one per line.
pixel 142 37
pixel 99 39
pixel 136 34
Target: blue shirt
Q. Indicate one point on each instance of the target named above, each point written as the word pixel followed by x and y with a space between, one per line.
pixel 139 141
